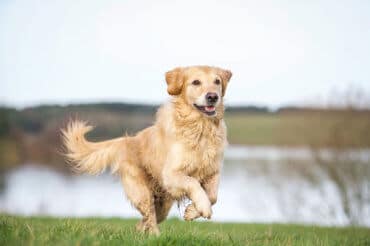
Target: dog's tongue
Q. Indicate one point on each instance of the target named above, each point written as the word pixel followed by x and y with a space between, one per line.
pixel 210 108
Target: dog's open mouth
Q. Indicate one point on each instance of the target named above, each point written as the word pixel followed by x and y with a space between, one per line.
pixel 208 110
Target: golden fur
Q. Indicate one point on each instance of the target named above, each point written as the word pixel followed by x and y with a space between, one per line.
pixel 179 156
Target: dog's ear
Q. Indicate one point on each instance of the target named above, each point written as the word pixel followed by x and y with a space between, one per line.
pixel 175 80
pixel 225 76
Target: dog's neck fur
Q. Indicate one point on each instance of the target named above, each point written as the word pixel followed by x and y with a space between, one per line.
pixel 193 125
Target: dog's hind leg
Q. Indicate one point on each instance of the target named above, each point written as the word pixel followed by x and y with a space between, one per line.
pixel 163 205
pixel 135 184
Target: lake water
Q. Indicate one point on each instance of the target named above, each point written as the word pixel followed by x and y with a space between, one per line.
pixel 259 184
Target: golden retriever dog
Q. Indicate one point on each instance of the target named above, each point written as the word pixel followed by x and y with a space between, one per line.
pixel 178 157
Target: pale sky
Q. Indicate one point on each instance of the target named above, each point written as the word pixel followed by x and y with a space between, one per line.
pixel 280 52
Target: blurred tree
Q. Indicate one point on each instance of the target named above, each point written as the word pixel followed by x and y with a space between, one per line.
pixel 347 132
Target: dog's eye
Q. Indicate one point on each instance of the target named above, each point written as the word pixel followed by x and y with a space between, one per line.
pixel 196 82
pixel 217 81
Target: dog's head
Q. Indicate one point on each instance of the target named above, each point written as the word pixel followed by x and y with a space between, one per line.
pixel 201 87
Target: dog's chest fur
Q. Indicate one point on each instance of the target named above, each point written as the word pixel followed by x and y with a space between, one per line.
pixel 204 141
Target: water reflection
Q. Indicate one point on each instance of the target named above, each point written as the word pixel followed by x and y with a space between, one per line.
pixel 258 184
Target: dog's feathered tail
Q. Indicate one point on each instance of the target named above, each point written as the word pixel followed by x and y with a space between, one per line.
pixel 91 157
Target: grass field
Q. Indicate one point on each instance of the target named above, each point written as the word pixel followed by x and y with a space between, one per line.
pixel 94 231
pixel 318 129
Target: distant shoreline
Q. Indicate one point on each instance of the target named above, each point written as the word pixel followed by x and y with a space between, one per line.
pixel 33 134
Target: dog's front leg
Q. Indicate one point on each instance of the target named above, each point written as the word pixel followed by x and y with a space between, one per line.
pixel 180 185
pixel 211 188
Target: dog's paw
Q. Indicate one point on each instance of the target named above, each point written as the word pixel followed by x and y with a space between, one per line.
pixel 191 213
pixel 204 209
pixel 140 226
pixel 154 230
pixel 145 227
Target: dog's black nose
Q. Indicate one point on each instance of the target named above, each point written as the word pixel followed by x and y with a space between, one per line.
pixel 211 97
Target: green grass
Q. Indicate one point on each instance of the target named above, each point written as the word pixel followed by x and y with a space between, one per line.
pixel 319 129
pixel 93 231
